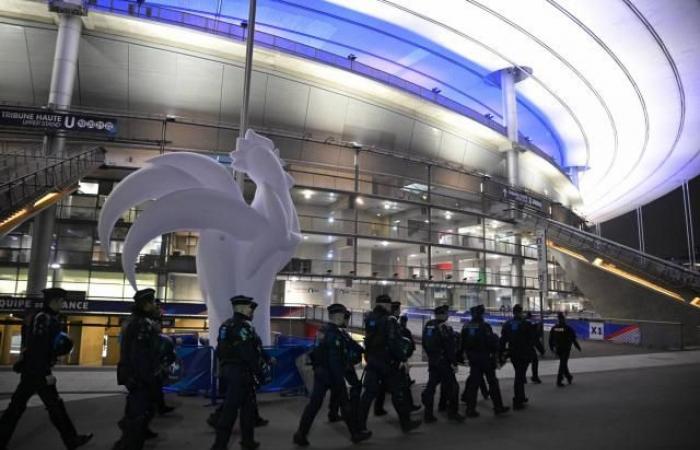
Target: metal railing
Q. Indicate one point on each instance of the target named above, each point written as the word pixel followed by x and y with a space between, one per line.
pixel 219 25
pixel 56 173
pixel 653 266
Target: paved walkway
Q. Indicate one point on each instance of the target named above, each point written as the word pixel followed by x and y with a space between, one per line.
pixel 647 402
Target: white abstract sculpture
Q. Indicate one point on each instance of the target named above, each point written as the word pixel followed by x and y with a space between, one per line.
pixel 241 247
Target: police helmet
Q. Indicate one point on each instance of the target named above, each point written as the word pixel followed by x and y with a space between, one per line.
pixel 442 309
pixel 403 319
pixel 517 309
pixel 242 300
pixel 145 295
pixel 385 299
pixel 477 310
pixel 337 308
pixel 51 294
pixel 62 344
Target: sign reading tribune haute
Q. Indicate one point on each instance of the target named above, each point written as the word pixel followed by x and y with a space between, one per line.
pixel 57 121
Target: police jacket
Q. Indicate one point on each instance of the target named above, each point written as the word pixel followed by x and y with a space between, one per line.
pixel 439 342
pixel 139 361
pixel 332 353
pixel 411 348
pixel 561 338
pixel 518 337
pixel 240 345
pixel 39 335
pixel 383 340
pixel 479 342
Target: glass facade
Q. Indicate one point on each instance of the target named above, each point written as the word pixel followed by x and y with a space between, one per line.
pixel 371 223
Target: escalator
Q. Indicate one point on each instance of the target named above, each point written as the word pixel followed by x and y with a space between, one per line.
pixel 622 282
pixel 30 183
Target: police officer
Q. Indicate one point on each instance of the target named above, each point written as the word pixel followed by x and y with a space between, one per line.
pixel 330 358
pixel 439 344
pixel 535 360
pixel 480 344
pixel 518 337
pixel 561 337
pixel 406 334
pixel 243 367
pixel 42 343
pixel 355 352
pixel 166 350
pixel 137 370
pixel 386 353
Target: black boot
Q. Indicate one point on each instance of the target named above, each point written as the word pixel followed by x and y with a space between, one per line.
pixel 500 410
pixel 80 440
pixel 409 425
pixel 455 417
pixel 361 436
pixel 221 442
pixel 250 445
pixel 300 440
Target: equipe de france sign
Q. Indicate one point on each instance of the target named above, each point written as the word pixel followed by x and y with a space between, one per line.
pixel 57 121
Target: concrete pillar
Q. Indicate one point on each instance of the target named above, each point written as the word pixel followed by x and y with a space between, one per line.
pixel 508 78
pixel 65 65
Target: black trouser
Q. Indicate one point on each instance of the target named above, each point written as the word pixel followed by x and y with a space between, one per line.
pixel 380 372
pixel 480 369
pixel 520 366
pixel 482 387
pixel 322 384
pixel 28 386
pixel 240 395
pixel 563 364
pixel 535 365
pixel 381 395
pixel 443 374
pixel 138 412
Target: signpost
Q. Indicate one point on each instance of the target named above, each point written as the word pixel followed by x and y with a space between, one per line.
pixel 50 120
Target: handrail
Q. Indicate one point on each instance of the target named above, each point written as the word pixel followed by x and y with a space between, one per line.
pixel 50 166
pixel 216 26
pixel 659 267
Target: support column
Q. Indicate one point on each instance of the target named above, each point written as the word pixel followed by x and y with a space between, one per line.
pixel 508 78
pixel 65 64
pixel 689 233
pixel 247 75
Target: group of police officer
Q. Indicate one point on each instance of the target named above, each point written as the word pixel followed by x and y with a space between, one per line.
pixel 388 346
pixel 243 366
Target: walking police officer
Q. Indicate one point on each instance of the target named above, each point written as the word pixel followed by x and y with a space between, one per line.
pixel 535 360
pixel 243 367
pixel 561 338
pixel 330 358
pixel 518 337
pixel 137 370
pixel 355 352
pixel 440 345
pixel 386 354
pixel 42 343
pixel 480 344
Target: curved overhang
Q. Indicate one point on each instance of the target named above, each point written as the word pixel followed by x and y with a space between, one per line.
pixel 439 133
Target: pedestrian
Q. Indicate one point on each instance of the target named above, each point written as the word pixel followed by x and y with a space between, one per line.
pixel 386 353
pixel 535 364
pixel 481 346
pixel 42 343
pixel 137 370
pixel 330 358
pixel 517 340
pixel 561 338
pixel 440 345
pixel 243 367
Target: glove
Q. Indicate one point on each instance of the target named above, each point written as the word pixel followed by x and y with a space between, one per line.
pixel 50 380
pixel 18 366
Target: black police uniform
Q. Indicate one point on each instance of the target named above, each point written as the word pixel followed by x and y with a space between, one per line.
pixel 561 338
pixel 518 337
pixel 481 346
pixel 167 358
pixel 535 363
pixel 42 343
pixel 137 370
pixel 411 348
pixel 439 345
pixel 355 352
pixel 243 367
pixel 385 350
pixel 330 358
